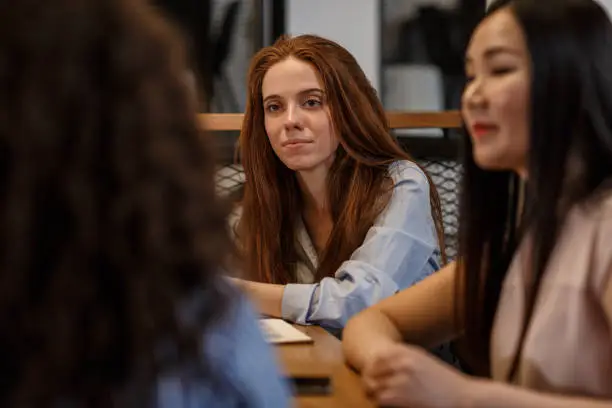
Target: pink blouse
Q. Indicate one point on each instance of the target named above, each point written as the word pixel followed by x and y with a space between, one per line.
pixel 568 346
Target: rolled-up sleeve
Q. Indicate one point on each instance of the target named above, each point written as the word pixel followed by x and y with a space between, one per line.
pixel 399 250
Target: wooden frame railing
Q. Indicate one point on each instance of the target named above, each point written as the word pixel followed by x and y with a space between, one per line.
pixel 397 120
pixel 419 147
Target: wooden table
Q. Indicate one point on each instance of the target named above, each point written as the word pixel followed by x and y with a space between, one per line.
pixel 324 355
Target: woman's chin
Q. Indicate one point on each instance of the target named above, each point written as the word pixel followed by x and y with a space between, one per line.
pixel 488 160
pixel 298 165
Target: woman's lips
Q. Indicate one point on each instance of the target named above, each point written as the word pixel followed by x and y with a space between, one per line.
pixel 296 142
pixel 482 129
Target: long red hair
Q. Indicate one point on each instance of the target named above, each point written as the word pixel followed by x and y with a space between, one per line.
pixel 359 186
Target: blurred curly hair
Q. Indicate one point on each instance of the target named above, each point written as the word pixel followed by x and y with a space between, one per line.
pixel 109 219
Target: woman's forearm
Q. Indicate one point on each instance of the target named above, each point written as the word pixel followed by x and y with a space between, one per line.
pixel 267 297
pixel 364 335
pixel 487 393
pixel 423 314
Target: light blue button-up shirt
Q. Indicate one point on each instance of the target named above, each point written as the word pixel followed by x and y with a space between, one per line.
pixel 400 249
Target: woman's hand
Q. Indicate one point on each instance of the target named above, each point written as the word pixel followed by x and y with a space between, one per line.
pixel 406 376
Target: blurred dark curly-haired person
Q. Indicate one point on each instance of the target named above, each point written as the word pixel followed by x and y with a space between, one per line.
pixel 111 236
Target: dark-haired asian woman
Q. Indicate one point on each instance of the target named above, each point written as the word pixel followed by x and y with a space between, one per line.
pixel 531 292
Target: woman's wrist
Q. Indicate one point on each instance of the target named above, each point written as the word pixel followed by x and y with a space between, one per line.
pixel 479 393
pixel 267 297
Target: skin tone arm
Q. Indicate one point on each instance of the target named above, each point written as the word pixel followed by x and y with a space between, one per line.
pixel 423 314
pixel 266 296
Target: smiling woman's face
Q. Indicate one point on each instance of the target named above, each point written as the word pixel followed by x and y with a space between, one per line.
pixel 495 104
pixel 297 118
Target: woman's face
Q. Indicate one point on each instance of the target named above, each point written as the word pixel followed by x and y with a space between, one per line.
pixel 496 99
pixel 297 117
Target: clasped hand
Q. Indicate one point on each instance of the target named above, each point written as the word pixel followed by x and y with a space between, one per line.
pixel 406 376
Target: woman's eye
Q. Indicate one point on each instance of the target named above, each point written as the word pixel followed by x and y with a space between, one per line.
pixel 273 107
pixel 312 103
pixel 502 71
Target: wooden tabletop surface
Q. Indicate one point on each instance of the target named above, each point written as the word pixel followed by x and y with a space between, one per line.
pixel 323 356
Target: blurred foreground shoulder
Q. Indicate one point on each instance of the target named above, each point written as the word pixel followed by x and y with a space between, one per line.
pixel 247 369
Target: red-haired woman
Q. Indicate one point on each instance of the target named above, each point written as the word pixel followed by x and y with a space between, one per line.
pixel 335 215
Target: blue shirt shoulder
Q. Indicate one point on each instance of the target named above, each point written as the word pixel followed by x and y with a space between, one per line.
pixel 244 364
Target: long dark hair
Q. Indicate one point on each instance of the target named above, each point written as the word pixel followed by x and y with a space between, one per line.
pixel 358 184
pixel 570 156
pixel 108 215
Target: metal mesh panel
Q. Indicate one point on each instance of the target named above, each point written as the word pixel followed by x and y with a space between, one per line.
pixel 229 179
pixel 446 176
pixel 444 173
